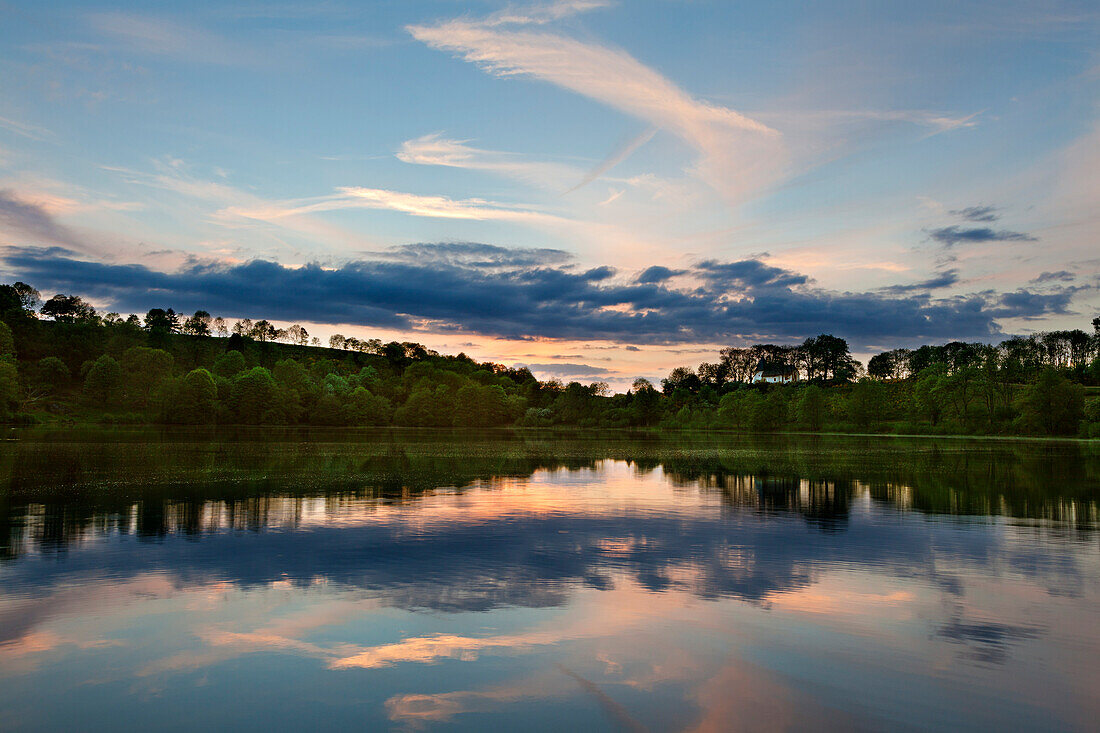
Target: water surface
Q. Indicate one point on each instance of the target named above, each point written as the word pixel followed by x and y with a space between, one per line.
pixel 409 580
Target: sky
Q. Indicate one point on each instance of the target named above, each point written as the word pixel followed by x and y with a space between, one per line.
pixel 598 190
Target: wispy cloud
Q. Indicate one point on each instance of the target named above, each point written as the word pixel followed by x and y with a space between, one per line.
pixel 736 154
pixel 35 221
pixel 163 37
pixel 23 129
pixel 540 14
pixel 434 149
pixel 977 213
pixel 617 156
pixel 433 207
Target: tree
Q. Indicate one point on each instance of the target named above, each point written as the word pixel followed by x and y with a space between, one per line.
pixel 144 369
pixel 365 408
pixel 298 335
pixel 103 382
pixel 19 298
pixel 219 327
pixel 811 407
pixel 867 403
pixel 196 399
pixel 229 364
pixel 892 364
pixel 927 401
pixel 51 373
pixel 243 327
pixel 738 363
pixel 68 309
pixel 264 331
pixel 252 395
pixel 7 340
pixel 198 324
pixel 645 402
pixel 9 386
pixel 1052 405
pixel 827 357
pixel 771 412
pixel 160 322
pixel 681 379
pixel 337 341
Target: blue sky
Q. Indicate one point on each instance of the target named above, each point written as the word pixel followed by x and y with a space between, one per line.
pixel 494 177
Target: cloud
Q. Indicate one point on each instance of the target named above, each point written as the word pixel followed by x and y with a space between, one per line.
pixel 944 279
pixel 616 156
pixel 32 132
pixel 737 155
pixel 1028 305
pixel 432 207
pixel 159 36
pixel 951 235
pixel 656 274
pixel 463 288
pixel 1060 276
pixel 434 149
pixel 748 274
pixel 544 13
pixel 34 221
pixel 474 255
pixel 977 213
pixel 577 371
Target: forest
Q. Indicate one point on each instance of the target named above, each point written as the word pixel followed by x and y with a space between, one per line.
pixel 63 362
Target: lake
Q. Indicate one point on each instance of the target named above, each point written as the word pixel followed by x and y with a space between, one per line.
pixel 284 579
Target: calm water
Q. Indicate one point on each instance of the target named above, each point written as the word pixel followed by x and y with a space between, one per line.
pixel 405 580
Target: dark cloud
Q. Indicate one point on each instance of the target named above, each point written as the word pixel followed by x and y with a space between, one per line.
pixel 632 348
pixel 656 274
pixel 495 297
pixel 33 220
pixel 748 274
pixel 570 370
pixel 977 213
pixel 1058 276
pixel 944 279
pixel 1025 304
pixel 954 234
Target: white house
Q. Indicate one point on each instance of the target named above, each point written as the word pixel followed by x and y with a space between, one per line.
pixel 768 372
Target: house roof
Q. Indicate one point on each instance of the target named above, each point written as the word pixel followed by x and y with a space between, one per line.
pixel 774 368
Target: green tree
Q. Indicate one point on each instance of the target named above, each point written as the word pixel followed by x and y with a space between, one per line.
pixel 811 407
pixel 196 399
pixel 198 324
pixel 736 409
pixel 365 408
pixel 229 364
pixel 9 386
pixel 51 374
pixel 867 403
pixel 927 400
pixel 103 382
pixel 144 369
pixel 7 340
pixel 252 395
pixel 1052 405
pixel 770 413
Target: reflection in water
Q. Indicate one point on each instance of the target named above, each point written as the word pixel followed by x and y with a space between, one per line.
pixel 406 579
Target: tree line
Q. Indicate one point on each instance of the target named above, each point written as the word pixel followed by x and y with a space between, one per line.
pixel 61 360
